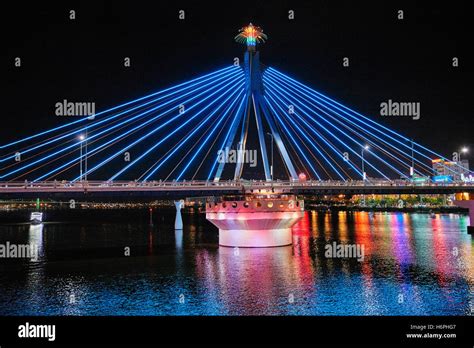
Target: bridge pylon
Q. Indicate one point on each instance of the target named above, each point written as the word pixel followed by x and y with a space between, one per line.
pixel 263 219
pixel 255 107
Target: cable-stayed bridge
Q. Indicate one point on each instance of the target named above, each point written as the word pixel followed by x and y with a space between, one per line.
pixel 179 135
pixel 211 136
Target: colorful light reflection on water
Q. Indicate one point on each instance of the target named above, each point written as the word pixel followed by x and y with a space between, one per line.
pixel 414 264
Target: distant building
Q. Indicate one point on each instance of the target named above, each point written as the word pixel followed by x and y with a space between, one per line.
pixel 450 168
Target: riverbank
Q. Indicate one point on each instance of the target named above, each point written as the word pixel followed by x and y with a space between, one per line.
pixel 427 210
pixel 142 215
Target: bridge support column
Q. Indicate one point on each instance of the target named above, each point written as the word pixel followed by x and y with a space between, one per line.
pixel 178 222
pixel 255 222
pixel 255 238
pixel 468 204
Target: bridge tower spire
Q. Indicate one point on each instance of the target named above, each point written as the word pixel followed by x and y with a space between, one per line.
pixel 251 36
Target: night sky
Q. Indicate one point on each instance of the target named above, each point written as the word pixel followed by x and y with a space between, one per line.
pixel 82 59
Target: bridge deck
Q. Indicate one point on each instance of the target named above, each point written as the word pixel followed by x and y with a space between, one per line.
pixel 171 190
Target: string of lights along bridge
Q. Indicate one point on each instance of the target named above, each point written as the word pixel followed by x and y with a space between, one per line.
pixel 180 133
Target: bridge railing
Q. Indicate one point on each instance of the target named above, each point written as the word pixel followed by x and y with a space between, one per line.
pixel 212 184
pixel 115 184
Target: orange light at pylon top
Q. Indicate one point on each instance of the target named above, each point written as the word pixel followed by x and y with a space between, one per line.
pixel 251 35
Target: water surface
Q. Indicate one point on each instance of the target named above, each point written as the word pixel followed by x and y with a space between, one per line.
pixel 414 265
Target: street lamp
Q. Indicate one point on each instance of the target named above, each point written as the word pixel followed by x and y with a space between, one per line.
pixel 81 140
pixel 464 149
pixel 86 152
pixel 364 176
pixel 271 167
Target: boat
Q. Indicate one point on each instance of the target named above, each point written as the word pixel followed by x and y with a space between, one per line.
pixel 36 218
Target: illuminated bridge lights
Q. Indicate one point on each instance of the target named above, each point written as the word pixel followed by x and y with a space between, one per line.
pixel 167 143
pixel 251 35
pixel 176 134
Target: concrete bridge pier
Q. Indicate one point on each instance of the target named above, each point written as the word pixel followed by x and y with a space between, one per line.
pixel 256 222
pixel 178 222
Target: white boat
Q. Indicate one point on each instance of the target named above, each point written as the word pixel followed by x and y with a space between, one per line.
pixel 36 218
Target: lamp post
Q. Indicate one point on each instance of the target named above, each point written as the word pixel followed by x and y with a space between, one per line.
pixel 364 176
pixel 464 149
pixel 271 167
pixel 465 170
pixel 81 140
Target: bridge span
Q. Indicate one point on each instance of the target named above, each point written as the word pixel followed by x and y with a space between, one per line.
pixel 131 190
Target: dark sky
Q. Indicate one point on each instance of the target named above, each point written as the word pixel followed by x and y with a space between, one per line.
pixel 408 60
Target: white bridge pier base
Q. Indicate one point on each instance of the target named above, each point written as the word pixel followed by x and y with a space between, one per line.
pixel 178 222
pixel 256 222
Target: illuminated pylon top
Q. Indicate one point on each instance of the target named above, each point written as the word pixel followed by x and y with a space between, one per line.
pixel 251 35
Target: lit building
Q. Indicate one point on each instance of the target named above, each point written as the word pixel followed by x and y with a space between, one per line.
pixel 450 168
